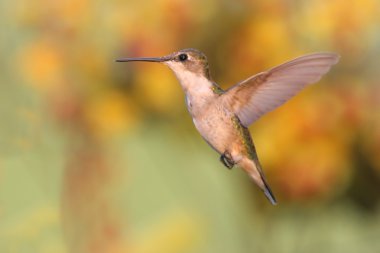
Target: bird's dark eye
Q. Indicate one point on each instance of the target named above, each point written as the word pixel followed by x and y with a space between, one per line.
pixel 182 57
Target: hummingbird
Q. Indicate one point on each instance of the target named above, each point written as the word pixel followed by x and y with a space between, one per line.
pixel 222 117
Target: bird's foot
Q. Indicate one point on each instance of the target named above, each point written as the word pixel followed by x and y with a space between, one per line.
pixel 227 160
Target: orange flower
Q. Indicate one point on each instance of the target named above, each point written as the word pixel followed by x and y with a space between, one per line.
pixel 41 63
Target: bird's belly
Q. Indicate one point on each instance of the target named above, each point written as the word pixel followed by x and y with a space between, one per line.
pixel 217 130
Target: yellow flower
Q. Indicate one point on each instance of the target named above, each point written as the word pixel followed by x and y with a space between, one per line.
pixel 159 90
pixel 110 114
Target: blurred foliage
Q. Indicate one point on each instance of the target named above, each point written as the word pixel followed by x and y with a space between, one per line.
pixel 102 157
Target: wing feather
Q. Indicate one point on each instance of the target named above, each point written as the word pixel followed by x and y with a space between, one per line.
pixel 267 90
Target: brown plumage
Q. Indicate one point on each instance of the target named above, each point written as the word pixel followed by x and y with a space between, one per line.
pixel 222 117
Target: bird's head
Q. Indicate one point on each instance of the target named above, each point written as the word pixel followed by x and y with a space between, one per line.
pixel 186 62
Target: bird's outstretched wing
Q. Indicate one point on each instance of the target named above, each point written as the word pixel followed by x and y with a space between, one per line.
pixel 267 90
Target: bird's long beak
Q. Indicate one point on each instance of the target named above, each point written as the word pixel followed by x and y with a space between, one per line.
pixel 148 59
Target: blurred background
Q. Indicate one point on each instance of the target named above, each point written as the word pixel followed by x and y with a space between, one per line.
pixel 98 156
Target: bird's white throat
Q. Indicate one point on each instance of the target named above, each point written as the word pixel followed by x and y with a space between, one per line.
pixel 198 88
pixel 193 83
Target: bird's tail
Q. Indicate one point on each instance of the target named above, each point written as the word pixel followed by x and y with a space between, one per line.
pixel 254 170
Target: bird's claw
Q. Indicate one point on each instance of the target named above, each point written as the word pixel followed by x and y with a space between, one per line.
pixel 227 160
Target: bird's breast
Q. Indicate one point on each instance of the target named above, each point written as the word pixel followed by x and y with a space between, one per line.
pixel 199 101
pixel 215 126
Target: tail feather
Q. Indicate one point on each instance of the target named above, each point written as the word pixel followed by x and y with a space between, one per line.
pixel 254 170
pixel 268 193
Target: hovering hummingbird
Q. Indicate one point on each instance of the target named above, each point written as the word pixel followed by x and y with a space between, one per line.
pixel 222 117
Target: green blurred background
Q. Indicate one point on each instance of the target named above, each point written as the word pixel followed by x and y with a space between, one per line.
pixel 98 156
